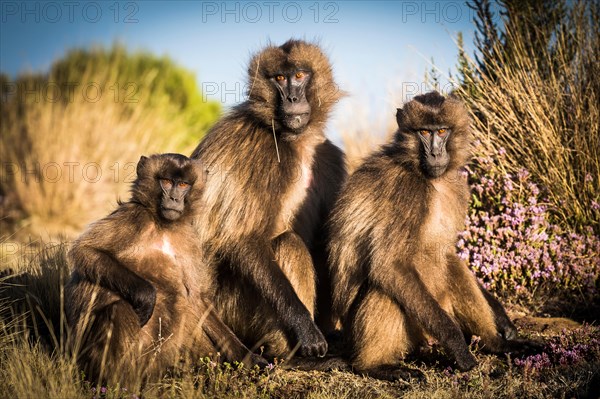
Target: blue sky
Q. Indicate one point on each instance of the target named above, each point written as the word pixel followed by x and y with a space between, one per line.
pixel 379 49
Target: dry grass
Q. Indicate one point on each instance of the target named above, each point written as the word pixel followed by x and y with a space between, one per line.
pixel 66 163
pixel 540 105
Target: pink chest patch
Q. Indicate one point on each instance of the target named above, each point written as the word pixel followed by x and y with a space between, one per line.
pixel 165 247
pixel 306 176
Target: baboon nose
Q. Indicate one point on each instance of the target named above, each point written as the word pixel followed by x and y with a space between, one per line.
pixel 293 99
pixel 437 152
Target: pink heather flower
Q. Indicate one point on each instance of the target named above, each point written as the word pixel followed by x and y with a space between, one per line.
pixel 523 174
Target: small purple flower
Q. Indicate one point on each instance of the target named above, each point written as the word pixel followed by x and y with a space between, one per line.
pixel 523 174
pixel 512 244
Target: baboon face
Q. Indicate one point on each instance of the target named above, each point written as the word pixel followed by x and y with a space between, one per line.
pixel 435 131
pixel 166 184
pixel 434 156
pixel 294 109
pixel 172 202
pixel 291 87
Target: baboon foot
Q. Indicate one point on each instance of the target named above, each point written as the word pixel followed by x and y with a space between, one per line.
pixel 523 347
pixel 466 361
pixel 515 346
pixel 335 340
pixel 328 363
pixel 394 373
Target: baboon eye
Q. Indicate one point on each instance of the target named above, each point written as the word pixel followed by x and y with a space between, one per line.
pixel 299 75
pixel 280 78
pixel 424 132
pixel 183 185
pixel 166 183
pixel 442 132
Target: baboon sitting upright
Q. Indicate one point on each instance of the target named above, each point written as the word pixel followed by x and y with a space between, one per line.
pixel 137 300
pixel 395 271
pixel 272 179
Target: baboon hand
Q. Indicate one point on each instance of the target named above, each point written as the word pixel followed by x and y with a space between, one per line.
pixel 509 333
pixel 143 304
pixel 507 329
pixel 259 361
pixel 312 342
pixel 466 361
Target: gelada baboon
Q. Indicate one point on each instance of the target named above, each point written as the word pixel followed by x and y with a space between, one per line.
pixel 395 271
pixel 272 179
pixel 137 301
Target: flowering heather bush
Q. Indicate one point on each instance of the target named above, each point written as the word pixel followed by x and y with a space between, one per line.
pixel 512 244
pixel 567 349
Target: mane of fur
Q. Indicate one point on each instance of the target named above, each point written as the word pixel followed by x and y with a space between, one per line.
pixel 263 96
pixel 434 109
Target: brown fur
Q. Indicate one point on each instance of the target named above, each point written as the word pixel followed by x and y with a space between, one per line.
pixel 120 261
pixel 397 277
pixel 264 218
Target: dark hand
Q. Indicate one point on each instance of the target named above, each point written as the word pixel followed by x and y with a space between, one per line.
pixel 259 361
pixel 466 361
pixel 507 330
pixel 143 304
pixel 311 340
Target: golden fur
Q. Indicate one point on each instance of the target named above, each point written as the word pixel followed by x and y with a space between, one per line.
pixel 266 203
pixel 133 263
pixel 395 271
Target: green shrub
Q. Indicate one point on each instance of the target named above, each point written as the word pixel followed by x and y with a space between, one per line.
pixel 163 86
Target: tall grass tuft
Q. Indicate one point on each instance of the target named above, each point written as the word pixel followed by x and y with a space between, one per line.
pixel 32 296
pixel 31 372
pixel 535 93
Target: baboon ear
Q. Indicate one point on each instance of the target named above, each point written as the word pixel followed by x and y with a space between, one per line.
pixel 399 116
pixel 141 164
